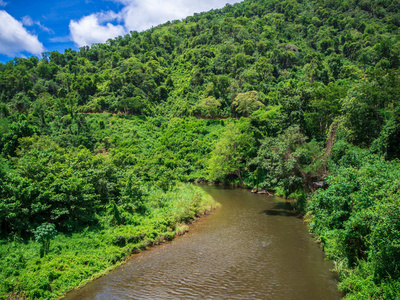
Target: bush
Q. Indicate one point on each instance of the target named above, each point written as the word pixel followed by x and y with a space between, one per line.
pixel 357 219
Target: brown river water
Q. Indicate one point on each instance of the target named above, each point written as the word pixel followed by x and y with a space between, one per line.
pixel 253 247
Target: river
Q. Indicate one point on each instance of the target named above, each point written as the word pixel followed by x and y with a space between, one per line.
pixel 253 247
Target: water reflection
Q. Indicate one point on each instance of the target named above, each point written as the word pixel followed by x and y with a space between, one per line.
pixel 282 208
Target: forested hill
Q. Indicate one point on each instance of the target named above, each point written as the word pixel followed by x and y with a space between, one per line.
pixel 303 56
pixel 284 96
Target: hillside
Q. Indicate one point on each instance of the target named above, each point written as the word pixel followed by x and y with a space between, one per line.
pixel 276 95
pixel 280 49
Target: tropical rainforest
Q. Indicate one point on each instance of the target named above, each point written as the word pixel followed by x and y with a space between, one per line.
pixel 99 147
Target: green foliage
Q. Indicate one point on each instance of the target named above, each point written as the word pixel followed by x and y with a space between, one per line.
pixel 76 258
pixel 371 111
pixel 101 137
pixel 209 107
pixel 132 195
pixel 246 103
pixel 228 156
pixel 17 130
pixel 357 221
pixel 52 183
pixel 266 121
pixel 257 45
pixel 288 163
pixel 43 235
pixel 71 186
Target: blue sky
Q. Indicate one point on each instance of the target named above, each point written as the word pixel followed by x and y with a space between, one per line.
pixel 32 27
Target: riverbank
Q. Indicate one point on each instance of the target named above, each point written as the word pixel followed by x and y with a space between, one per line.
pixel 78 258
pixel 251 248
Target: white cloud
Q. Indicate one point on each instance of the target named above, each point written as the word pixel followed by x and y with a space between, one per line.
pixel 89 29
pixel 137 15
pixel 60 39
pixel 27 21
pixel 2 3
pixel 14 38
pixel 143 14
pixel 44 28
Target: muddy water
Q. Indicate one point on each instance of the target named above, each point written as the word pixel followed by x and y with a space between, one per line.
pixel 253 247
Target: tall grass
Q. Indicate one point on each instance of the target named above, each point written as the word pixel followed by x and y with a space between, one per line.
pixel 78 258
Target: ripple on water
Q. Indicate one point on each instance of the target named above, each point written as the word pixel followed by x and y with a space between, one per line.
pixel 254 247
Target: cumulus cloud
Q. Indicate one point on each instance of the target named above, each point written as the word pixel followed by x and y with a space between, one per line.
pixel 91 29
pixel 14 38
pixel 143 14
pixel 137 15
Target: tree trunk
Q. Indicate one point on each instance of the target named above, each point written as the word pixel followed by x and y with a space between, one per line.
pixel 240 177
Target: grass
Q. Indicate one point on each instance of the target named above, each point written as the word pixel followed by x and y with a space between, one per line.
pixel 80 257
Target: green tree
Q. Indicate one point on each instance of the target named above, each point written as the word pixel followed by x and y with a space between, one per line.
pixel 286 162
pixel 22 128
pixel 209 107
pixel 229 154
pixel 43 235
pixel 246 103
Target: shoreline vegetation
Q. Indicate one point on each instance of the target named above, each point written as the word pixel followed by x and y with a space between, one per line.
pixel 133 170
pixel 76 259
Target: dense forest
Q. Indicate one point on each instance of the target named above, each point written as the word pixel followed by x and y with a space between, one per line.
pixel 98 146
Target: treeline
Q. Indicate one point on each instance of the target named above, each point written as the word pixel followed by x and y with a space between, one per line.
pixel 69 177
pixel 275 95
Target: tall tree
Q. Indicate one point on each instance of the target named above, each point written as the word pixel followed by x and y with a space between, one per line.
pixel 228 156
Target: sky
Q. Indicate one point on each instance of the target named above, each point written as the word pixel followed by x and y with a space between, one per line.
pixel 32 27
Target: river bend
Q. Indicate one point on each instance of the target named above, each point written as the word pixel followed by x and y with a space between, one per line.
pixel 253 247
